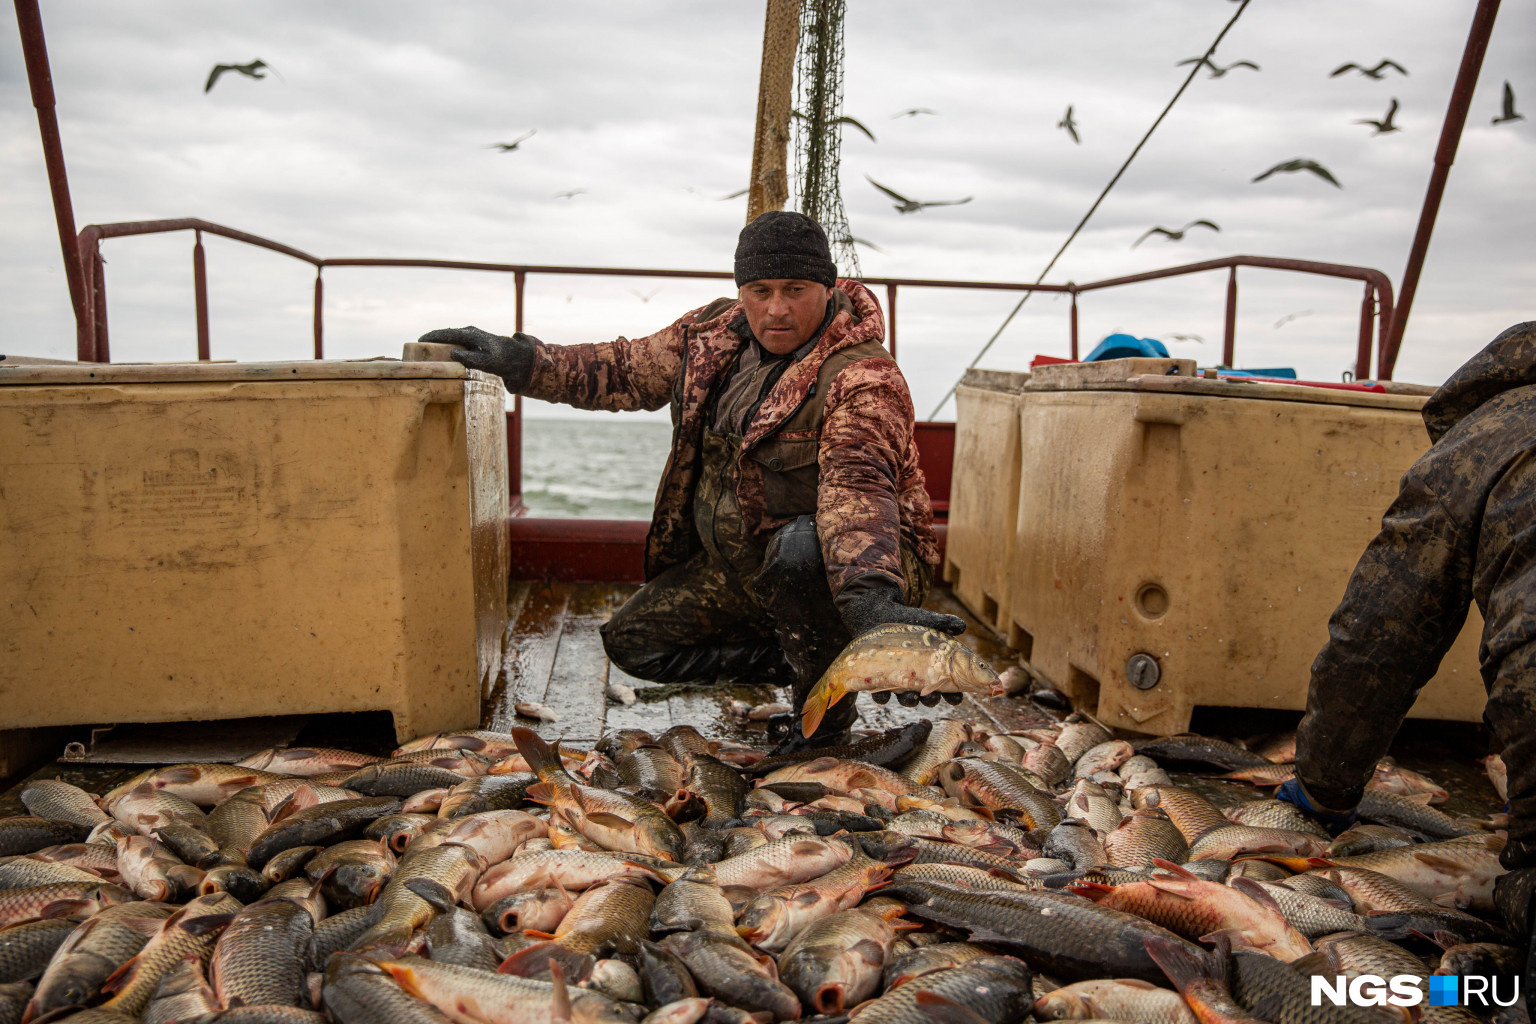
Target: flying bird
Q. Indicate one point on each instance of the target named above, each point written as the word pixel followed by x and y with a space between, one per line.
pixel 1509 113
pixel 841 119
pixel 1289 317
pixel 1379 71
pixel 1176 236
pixel 737 194
pixel 572 194
pixel 1070 125
pixel 251 70
pixel 508 147
pixel 856 240
pixel 1385 124
pixel 905 205
pixel 1216 69
pixel 1188 337
pixel 1300 164
pixel 645 296
pixel 913 112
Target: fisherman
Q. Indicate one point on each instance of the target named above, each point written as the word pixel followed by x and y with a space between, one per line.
pixel 792 515
pixel 1463 529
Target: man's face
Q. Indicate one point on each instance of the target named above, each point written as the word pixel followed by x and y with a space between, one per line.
pixel 784 314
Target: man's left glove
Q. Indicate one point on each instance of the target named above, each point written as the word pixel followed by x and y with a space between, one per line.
pixel 880 605
pixel 511 359
pixel 1293 792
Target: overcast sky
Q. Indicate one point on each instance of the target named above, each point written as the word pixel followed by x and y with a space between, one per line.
pixel 373 142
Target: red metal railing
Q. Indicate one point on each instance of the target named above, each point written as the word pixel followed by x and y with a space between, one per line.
pixel 92 339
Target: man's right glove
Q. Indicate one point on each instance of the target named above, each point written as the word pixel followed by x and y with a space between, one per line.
pixel 511 359
pixel 881 604
pixel 1293 792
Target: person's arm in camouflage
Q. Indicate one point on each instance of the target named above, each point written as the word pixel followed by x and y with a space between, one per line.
pixel 866 431
pixel 1405 604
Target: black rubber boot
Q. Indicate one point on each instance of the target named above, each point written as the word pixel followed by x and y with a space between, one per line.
pixel 793 586
pixel 761 662
pixel 1514 894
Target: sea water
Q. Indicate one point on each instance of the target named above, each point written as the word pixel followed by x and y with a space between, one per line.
pixel 593 469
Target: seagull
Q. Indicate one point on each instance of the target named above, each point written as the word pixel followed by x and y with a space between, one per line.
pixel 645 296
pixel 1289 317
pixel 1300 164
pixel 913 112
pixel 1385 124
pixel 856 240
pixel 905 205
pixel 1176 236
pixel 572 194
pixel 507 147
pixel 841 119
pixel 1070 125
pixel 251 70
pixel 1188 337
pixel 1509 107
pixel 1379 71
pixel 737 194
pixel 1216 69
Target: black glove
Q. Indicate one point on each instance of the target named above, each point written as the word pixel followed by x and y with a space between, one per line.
pixel 877 605
pixel 511 359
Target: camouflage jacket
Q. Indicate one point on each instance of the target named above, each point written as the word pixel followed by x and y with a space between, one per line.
pixel 1462 529
pixel 870 492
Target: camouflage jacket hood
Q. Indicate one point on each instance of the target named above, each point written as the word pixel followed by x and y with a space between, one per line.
pixel 1508 362
pixel 870 492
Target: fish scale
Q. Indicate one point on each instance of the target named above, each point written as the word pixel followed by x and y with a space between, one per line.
pixel 259 958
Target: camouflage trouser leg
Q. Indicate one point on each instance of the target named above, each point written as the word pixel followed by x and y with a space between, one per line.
pixel 694 623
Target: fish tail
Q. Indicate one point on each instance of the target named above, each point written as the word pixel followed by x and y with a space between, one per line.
pixel 822 696
pixel 1183 964
pixel 541 758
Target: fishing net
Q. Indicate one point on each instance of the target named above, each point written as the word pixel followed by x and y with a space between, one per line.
pixel 819 123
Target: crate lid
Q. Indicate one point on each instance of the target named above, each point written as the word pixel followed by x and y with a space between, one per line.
pixel 209 372
pixel 1011 381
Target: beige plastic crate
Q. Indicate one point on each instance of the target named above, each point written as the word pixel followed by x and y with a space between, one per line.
pixel 984 492
pixel 1201 533
pixel 225 540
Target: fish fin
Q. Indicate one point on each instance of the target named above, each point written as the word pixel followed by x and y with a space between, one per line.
pixel 120 977
pixel 560 1008
pixel 403 976
pixel 541 758
pixel 1424 799
pixel 609 820
pixel 205 924
pixel 870 951
pixel 946 1011
pixel 806 847
pixel 535 933
pixel 822 696
pixel 1166 886
pixel 1390 925
pixel 772 965
pixel 1434 860
pixel 1448 900
pixel 1092 890
pixel 809 898
pixel 1231 936
pixel 1176 870
pixel 540 793
pixel 1313 963
pixel 434 892
pixel 1248 887
pixel 177 774
pixel 532 961
pixel 66 908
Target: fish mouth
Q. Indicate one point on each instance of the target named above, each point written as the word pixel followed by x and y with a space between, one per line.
pixel 828 998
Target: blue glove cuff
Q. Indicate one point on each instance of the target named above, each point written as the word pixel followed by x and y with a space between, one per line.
pixel 1293 792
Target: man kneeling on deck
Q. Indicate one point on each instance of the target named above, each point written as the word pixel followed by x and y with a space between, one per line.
pixel 792 514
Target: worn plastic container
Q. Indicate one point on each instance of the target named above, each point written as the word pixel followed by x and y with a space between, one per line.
pixel 984 492
pixel 1181 542
pixel 223 540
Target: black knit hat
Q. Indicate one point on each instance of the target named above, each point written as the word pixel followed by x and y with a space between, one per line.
pixel 784 245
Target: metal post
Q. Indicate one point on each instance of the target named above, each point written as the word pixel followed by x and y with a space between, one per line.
pixel 1074 327
pixel 99 307
pixel 1445 155
pixel 35 50
pixel 1367 326
pixel 1229 338
pixel 890 316
pixel 200 297
pixel 319 315
pixel 515 428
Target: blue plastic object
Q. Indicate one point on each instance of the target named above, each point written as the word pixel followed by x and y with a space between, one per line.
pixel 1277 372
pixel 1125 346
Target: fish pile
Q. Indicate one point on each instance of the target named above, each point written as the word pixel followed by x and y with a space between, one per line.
pixel 939 872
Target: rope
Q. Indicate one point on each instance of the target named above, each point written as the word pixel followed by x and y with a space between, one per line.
pixel 1195 70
